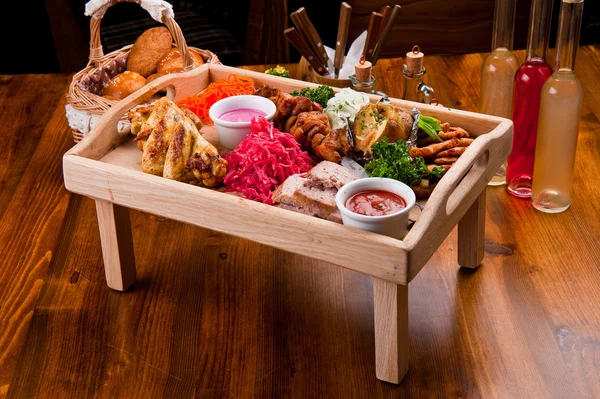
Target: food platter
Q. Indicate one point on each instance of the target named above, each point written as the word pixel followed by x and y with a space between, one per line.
pixel 106 167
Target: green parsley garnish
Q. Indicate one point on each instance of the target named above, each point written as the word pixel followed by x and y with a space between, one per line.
pixel 392 160
pixel 320 95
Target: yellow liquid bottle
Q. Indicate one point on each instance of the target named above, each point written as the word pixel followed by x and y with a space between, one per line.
pixel 498 72
pixel 558 124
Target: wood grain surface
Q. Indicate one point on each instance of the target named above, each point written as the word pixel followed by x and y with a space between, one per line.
pixel 439 26
pixel 216 316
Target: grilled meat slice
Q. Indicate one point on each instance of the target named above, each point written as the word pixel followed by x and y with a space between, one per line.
pixel 267 92
pixel 289 106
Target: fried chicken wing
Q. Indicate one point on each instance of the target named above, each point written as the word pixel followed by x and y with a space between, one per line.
pixel 155 149
pixel 174 148
pixel 179 151
pixel 206 163
pixel 138 117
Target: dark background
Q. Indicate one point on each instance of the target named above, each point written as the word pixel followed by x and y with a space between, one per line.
pixel 53 35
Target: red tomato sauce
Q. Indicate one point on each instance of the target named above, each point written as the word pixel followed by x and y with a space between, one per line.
pixel 375 203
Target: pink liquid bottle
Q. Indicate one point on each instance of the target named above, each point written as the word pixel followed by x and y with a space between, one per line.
pixel 529 80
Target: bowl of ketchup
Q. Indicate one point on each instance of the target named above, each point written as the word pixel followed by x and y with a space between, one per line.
pixel 232 116
pixel 376 204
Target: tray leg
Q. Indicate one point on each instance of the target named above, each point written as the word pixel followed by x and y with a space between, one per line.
pixel 471 234
pixel 391 330
pixel 117 245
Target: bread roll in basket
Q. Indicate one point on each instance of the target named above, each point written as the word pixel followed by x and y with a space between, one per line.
pixel 85 105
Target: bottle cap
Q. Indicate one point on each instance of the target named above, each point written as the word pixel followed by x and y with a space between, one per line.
pixel 362 69
pixel 414 60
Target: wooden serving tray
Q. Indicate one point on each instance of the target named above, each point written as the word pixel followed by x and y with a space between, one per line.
pixel 106 166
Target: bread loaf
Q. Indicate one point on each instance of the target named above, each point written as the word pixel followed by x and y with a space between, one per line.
pixel 172 62
pixel 148 50
pixel 152 77
pixel 123 85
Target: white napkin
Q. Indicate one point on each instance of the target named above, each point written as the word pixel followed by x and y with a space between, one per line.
pixel 156 8
pixel 354 53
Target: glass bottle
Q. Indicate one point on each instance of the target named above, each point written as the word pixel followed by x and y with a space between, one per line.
pixel 559 118
pixel 415 84
pixel 498 72
pixel 529 80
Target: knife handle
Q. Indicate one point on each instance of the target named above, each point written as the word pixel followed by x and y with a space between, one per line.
pixel 387 29
pixel 342 34
pixel 294 37
pixel 310 34
pixel 372 35
pixel 385 12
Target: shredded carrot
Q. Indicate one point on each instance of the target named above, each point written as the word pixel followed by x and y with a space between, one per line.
pixel 233 85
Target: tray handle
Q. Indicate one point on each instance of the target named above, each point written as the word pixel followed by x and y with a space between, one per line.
pixel 456 192
pixel 104 136
pixel 97 52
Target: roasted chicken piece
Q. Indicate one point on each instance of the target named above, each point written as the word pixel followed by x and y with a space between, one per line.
pixel 156 146
pixel 173 147
pixel 304 119
pixel 311 130
pixel 375 121
pixel 137 117
pixel 267 92
pixel 177 155
pixel 308 124
pixel 205 162
pixel 334 146
pixel 140 115
pixel 289 106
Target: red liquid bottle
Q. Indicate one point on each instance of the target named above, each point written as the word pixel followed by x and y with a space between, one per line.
pixel 529 80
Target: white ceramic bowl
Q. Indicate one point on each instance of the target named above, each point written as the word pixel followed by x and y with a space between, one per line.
pixel 232 133
pixel 394 225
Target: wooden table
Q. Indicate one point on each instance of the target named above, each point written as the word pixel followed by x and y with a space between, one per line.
pixel 217 316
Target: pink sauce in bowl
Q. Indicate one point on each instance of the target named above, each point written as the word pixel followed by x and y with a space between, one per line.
pixel 241 115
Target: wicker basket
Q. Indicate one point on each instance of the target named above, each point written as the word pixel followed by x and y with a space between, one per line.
pixel 89 106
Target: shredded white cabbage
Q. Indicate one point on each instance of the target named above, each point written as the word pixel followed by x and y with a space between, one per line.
pixel 344 104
